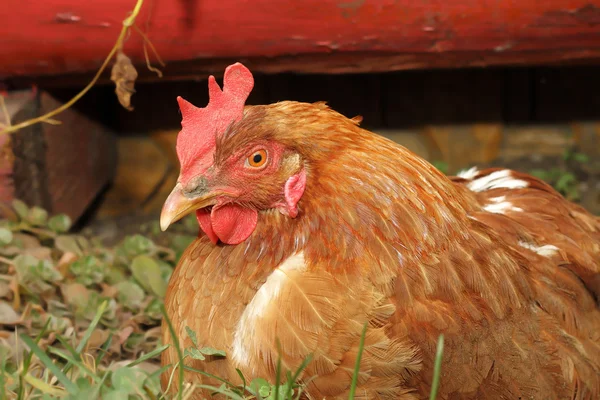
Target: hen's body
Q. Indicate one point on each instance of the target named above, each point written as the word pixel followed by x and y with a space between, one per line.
pixel 498 262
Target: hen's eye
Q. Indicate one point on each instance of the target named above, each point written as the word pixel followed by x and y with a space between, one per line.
pixel 257 159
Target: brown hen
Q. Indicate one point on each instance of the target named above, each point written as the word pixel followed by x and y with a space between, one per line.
pixel 312 227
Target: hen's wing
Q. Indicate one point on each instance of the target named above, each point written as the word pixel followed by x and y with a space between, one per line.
pixel 542 337
pixel 524 208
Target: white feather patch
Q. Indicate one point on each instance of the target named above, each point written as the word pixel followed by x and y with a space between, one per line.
pixel 547 250
pixel 468 173
pixel 501 208
pixel 495 180
pixel 499 205
pixel 267 293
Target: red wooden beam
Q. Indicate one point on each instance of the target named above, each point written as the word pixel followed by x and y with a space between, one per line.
pixel 73 36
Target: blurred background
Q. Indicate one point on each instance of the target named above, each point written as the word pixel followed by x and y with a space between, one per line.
pixel 461 83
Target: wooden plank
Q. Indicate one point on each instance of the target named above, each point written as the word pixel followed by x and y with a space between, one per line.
pixel 59 167
pixel 71 36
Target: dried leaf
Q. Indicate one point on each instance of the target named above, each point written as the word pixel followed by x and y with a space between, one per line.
pixel 4 289
pixel 124 334
pixel 124 74
pixel 98 338
pixel 40 252
pixel 75 294
pixel 25 241
pixel 8 316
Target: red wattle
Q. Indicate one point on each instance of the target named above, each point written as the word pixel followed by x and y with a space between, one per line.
pixel 232 223
pixel 203 217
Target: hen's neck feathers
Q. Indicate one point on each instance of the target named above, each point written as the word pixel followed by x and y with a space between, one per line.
pixel 360 188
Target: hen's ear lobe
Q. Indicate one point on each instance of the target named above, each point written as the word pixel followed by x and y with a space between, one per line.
pixel 293 191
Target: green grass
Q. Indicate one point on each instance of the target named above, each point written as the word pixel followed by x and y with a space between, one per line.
pixel 83 320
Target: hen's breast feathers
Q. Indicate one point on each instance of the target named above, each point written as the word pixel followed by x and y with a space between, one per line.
pixel 497 261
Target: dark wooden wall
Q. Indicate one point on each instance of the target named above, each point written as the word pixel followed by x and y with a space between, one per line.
pixel 387 100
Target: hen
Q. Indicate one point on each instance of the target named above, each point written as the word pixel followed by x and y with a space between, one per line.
pixel 312 227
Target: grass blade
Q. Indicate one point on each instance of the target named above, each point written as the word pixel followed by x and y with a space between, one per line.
pixel 278 371
pixel 437 368
pixel 75 362
pixel 148 356
pixel 294 378
pixel 225 392
pixel 361 347
pixel 93 324
pixel 62 378
pixel 27 361
pixel 177 348
pixel 104 350
pixel 198 371
pixel 44 387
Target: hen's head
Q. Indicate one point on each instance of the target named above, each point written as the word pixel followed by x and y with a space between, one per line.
pixel 232 168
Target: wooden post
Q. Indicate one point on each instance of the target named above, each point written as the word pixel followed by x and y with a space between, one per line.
pixel 61 168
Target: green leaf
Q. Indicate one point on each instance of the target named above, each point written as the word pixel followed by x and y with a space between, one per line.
pixel 130 294
pixel 441 165
pixel 114 275
pixel 88 270
pixel 35 274
pixel 581 158
pixel 261 386
pixel 135 245
pixel 20 208
pixel 67 244
pixel 147 272
pixel 539 173
pixel 118 394
pixel 6 236
pixel 60 223
pixel 194 353
pixel 192 335
pixel 37 216
pixel 210 351
pixel 565 181
pixel 125 379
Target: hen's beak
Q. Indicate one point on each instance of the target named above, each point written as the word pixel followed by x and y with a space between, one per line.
pixel 178 205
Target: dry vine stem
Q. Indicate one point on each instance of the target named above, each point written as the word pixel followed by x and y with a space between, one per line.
pixel 127 23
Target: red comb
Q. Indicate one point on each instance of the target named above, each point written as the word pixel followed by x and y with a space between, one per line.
pixel 201 126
